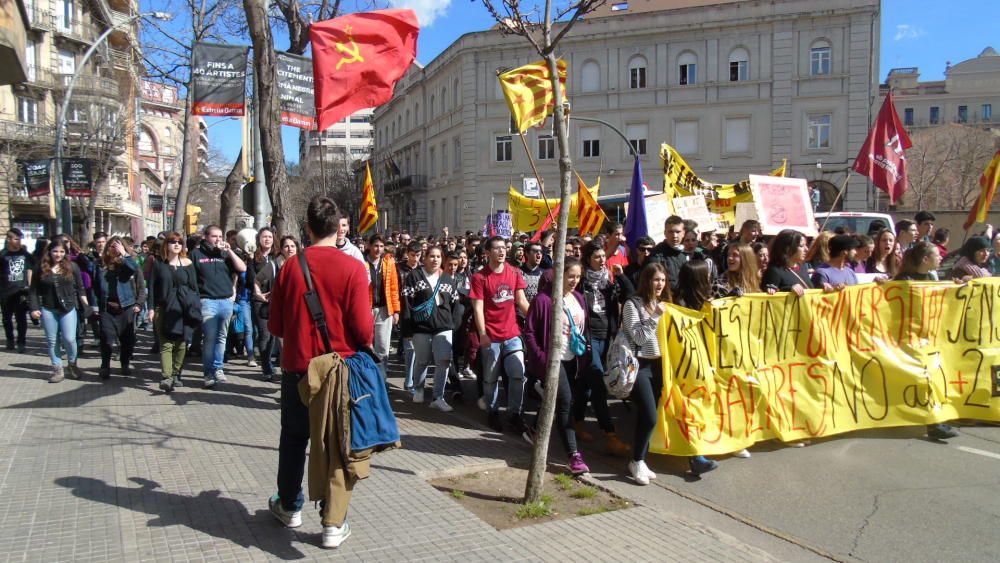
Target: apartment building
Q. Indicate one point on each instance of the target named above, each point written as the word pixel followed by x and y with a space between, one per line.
pixel 100 119
pixel 967 95
pixel 346 141
pixel 736 87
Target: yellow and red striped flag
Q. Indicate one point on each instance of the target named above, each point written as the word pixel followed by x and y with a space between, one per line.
pixel 590 213
pixel 369 209
pixel 988 181
pixel 528 91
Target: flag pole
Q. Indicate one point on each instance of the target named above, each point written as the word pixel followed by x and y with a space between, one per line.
pixel 531 161
pixel 840 193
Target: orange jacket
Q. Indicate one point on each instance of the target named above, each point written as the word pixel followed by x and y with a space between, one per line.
pixel 390 283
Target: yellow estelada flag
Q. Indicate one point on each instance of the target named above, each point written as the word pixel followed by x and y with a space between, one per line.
pixel 590 214
pixel 528 91
pixel 369 209
pixel 988 182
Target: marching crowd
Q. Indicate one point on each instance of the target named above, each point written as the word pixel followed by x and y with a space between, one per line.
pixel 473 307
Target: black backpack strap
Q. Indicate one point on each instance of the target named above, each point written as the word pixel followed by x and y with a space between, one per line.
pixel 314 305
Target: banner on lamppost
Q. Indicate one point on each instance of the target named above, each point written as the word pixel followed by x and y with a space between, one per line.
pixel 295 91
pixel 76 177
pixel 219 85
pixel 36 177
pixel 171 204
pixel 155 203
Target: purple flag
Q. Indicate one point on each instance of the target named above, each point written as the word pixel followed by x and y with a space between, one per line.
pixel 635 221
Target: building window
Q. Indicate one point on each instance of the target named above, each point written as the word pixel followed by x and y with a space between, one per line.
pixel 546 147
pixel 454 209
pixel 444 211
pixel 430 215
pixel 688 69
pixel 686 137
pixel 444 158
pixel 737 135
pixel 637 73
pixel 818 131
pixel 77 113
pixel 739 65
pixel 30 59
pixel 432 163
pixel 407 122
pixel 963 114
pixel 444 100
pixel 590 77
pixel 637 133
pixel 935 116
pixel 819 59
pixel 591 137
pixel 458 153
pixel 27 110
pixel 987 112
pixel 430 108
pixel 416 114
pixel 908 116
pixel 360 119
pixel 504 146
pixel 67 62
pixel 454 94
pixel 65 14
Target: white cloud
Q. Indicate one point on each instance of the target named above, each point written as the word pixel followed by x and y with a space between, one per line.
pixel 906 31
pixel 427 10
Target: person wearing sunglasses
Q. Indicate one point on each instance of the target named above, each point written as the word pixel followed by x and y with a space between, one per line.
pixel 172 278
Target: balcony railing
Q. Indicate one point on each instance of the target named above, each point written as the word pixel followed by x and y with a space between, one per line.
pixel 412 181
pixel 40 76
pixel 27 132
pixel 76 31
pixel 40 19
pixel 88 84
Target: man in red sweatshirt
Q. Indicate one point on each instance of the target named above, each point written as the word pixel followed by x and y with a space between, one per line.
pixel 342 285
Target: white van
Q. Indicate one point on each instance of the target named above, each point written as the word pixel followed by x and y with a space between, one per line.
pixel 860 223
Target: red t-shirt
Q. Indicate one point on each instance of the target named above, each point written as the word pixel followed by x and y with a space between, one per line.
pixel 342 284
pixel 497 291
pixel 618 257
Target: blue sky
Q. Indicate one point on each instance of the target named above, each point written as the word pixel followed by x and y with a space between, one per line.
pixel 920 33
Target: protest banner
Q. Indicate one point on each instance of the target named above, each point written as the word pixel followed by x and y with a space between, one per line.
pixel 35 175
pixel 295 91
pixel 760 367
pixel 218 75
pixel 658 208
pixel 528 213
pixel 695 208
pixel 783 203
pixel 77 178
pixel 745 211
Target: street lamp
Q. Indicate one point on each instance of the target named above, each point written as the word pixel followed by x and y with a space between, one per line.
pixel 64 218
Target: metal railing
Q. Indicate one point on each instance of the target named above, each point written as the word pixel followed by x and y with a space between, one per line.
pixel 402 182
pixel 27 132
pixel 76 31
pixel 40 19
pixel 89 85
pixel 40 76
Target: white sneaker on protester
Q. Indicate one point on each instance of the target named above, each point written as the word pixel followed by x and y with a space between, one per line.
pixel 220 376
pixel 418 395
pixel 333 536
pixel 636 470
pixel 251 363
pixel 289 519
pixel 441 405
pixel 467 373
pixel 742 454
pixel 649 474
pixel 481 403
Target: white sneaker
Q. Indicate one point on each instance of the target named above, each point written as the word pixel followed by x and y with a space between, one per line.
pixel 636 470
pixel 645 469
pixel 287 519
pixel 220 376
pixel 742 454
pixel 467 373
pixel 441 405
pixel 481 403
pixel 333 536
pixel 418 395
pixel 251 363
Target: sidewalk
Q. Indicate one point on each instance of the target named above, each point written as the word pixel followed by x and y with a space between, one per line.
pixel 118 471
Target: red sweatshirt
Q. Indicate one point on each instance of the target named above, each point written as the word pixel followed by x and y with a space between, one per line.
pixel 342 284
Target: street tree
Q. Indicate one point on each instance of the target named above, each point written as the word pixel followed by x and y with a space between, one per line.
pixel 543 25
pixel 944 165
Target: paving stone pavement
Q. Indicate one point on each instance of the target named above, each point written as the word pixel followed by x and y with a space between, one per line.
pixel 118 471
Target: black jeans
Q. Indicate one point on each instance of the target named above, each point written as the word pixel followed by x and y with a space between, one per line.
pixel 118 327
pixel 590 387
pixel 15 309
pixel 293 442
pixel 645 396
pixel 564 405
pixel 264 340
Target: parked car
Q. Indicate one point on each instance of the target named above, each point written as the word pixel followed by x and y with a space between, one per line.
pixel 862 223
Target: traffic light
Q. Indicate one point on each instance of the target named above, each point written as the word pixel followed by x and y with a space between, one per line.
pixel 191 219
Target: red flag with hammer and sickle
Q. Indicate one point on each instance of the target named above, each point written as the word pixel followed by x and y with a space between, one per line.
pixel 882 157
pixel 358 58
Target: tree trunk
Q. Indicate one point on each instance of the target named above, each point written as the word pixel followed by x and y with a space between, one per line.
pixel 536 473
pixel 269 117
pixel 231 195
pixel 188 161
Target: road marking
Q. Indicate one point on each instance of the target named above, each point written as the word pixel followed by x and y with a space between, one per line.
pixel 983 453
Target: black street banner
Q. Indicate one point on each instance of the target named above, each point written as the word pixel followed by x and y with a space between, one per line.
pixel 155 203
pixel 295 91
pixel 35 174
pixel 171 203
pixel 219 73
pixel 76 177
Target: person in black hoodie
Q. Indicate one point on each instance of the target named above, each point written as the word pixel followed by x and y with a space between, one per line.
pixel 120 290
pixel 670 252
pixel 171 272
pixel 15 276
pixel 430 298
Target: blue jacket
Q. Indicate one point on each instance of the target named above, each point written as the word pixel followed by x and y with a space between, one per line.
pixel 373 423
pixel 129 284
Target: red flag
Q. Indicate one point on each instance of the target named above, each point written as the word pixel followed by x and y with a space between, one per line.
pixel 547 223
pixel 358 58
pixel 881 157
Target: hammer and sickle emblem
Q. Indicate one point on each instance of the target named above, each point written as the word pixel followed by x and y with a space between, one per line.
pixel 352 54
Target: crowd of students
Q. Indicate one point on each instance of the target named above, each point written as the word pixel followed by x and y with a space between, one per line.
pixel 469 306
